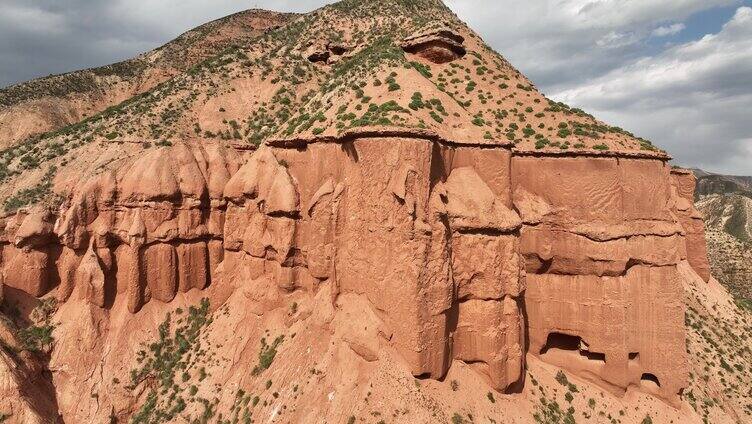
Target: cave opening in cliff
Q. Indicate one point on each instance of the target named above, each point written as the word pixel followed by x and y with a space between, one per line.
pixel 569 343
pixel 650 378
pixel 634 356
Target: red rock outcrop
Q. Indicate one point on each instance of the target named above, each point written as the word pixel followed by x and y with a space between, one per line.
pixel 415 226
pixel 146 231
pixel 449 243
pixel 424 231
pixel 683 184
pixel 437 45
pixel 601 248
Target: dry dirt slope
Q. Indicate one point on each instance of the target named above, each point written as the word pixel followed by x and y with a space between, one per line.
pixel 50 103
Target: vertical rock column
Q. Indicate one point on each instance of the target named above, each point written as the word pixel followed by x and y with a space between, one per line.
pixel 486 270
pixel 262 214
pixel 384 247
pixel 27 265
pixel 683 184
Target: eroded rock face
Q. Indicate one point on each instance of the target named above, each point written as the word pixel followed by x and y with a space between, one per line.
pixel 437 45
pixel 601 247
pixel 457 252
pixel 327 53
pixel 426 233
pixel 683 184
pixel 146 227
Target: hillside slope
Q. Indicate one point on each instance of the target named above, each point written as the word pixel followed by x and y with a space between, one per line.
pixel 728 220
pixel 726 204
pixel 50 103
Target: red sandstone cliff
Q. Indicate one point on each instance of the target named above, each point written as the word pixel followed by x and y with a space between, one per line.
pixel 384 250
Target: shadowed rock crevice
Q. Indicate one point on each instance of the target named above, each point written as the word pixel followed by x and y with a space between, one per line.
pixel 438 46
pixel 650 378
pixel 574 344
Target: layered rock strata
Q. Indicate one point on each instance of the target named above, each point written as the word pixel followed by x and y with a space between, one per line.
pixel 147 231
pixel 601 245
pixel 465 251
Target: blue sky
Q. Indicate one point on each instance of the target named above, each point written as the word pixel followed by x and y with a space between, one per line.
pixel 706 22
pixel 640 64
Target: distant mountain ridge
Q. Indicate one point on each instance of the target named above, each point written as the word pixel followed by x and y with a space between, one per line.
pixel 710 183
pixel 725 202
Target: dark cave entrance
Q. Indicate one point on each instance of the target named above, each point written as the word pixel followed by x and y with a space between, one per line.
pixel 647 377
pixel 574 344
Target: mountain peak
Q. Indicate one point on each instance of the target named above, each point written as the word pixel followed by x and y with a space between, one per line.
pixel 362 65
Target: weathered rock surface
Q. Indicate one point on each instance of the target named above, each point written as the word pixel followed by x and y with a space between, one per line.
pixel 351 221
pixel 438 45
pixel 683 182
pixel 429 234
pixel 146 228
pixel 601 248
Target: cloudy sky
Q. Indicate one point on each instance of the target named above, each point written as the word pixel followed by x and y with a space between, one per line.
pixel 678 72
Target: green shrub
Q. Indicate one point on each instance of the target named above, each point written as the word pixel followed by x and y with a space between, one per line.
pixel 744 304
pixel 423 69
pixel 33 195
pixel 36 338
pixel 266 355
pixel 561 378
pixel 416 101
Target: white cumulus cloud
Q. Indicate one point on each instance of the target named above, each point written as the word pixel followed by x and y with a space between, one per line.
pixel 691 99
pixel 665 31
